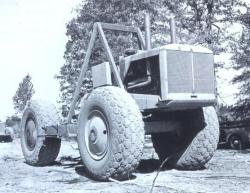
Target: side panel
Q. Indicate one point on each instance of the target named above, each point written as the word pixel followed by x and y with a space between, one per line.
pixel 146 101
pixel 101 75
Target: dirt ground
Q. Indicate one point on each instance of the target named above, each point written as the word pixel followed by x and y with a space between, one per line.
pixel 228 171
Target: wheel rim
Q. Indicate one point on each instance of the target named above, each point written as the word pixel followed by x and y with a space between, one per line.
pixel 235 143
pixel 96 135
pixel 30 134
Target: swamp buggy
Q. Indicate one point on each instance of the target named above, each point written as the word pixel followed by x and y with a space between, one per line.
pixel 168 92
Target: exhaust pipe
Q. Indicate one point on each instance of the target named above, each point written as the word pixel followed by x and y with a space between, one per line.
pixel 173 31
pixel 147 31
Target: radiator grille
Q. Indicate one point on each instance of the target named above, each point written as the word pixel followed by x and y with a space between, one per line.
pixel 187 76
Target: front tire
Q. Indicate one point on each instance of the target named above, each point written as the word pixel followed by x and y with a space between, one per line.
pixel 110 134
pixel 197 144
pixel 39 150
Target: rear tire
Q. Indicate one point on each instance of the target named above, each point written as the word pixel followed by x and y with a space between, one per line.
pixel 195 147
pixel 39 150
pixel 110 134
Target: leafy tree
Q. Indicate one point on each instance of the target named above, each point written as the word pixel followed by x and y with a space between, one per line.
pixel 12 120
pixel 225 113
pixel 198 22
pixel 23 94
pixel 241 58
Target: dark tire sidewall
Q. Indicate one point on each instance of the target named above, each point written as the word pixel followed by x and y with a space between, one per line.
pixel 30 155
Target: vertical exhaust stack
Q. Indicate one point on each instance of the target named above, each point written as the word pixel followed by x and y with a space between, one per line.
pixel 173 31
pixel 147 31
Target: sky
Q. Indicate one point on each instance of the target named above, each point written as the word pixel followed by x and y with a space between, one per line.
pixel 32 40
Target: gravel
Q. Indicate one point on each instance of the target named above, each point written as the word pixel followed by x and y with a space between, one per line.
pixel 228 171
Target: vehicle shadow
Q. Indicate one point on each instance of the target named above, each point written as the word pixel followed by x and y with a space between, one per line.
pixel 145 166
pixel 149 166
pixel 68 162
pixel 81 170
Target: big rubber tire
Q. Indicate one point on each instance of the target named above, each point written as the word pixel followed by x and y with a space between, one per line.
pixel 39 150
pixel 110 134
pixel 193 149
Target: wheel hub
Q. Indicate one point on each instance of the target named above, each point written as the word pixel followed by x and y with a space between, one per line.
pixel 30 134
pixel 92 136
pixel 236 142
pixel 96 135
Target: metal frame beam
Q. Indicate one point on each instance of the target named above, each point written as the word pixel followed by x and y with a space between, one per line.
pixel 117 27
pixel 82 73
pixel 122 28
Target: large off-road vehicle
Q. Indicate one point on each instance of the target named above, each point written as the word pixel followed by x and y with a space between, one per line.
pixel 168 92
